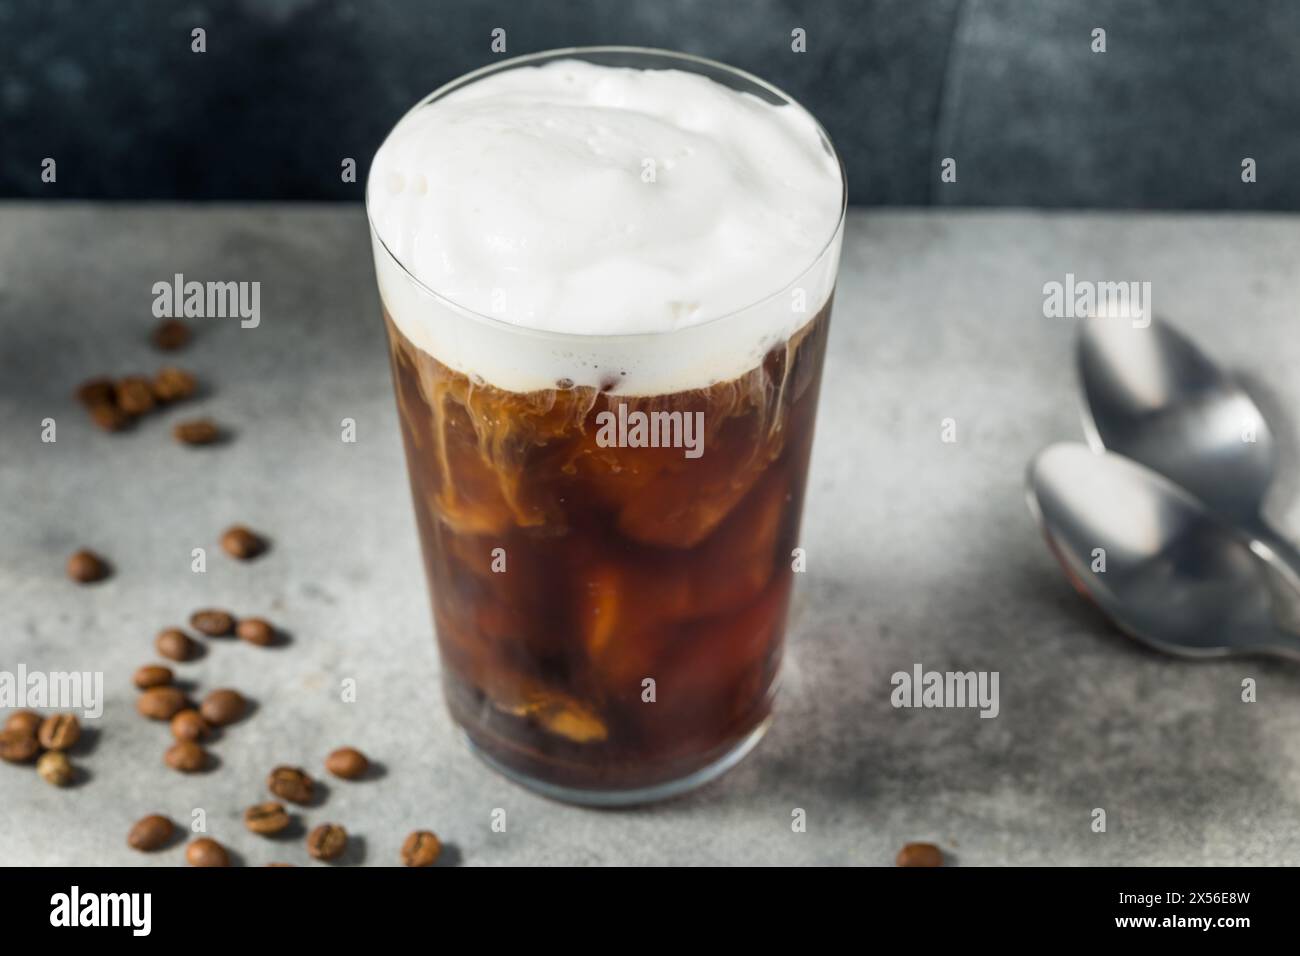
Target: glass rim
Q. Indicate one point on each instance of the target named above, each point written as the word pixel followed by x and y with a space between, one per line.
pixel 668 55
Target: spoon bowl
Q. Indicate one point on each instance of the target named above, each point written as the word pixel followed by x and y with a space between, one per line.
pixel 1165 569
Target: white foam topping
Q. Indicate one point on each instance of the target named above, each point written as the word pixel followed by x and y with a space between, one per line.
pixel 587 210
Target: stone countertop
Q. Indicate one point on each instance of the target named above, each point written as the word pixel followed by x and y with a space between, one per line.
pixel 919 551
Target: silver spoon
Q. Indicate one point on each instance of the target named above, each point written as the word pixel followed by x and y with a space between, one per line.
pixel 1176 577
pixel 1153 396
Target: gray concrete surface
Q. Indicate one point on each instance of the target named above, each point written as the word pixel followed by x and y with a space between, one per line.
pixel 919 551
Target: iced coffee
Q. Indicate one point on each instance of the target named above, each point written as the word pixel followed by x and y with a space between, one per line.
pixel 606 277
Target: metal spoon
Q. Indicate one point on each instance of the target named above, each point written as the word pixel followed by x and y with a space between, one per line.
pixel 1176 577
pixel 1153 396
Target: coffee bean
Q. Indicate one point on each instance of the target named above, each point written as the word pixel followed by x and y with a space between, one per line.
pixel 255 631
pixel 919 854
pixel 266 818
pixel 238 542
pixel 173 384
pixel 25 721
pixel 59 731
pixel 186 756
pixel 176 645
pixel 55 768
pixel 327 841
pixel 222 707
pixel 109 417
pixel 170 335
pixel 196 431
pixel 17 746
pixel 152 675
pixel 85 567
pixel 96 391
pixel 206 852
pixel 134 395
pixel 212 622
pixel 347 763
pixel 150 833
pixel 189 724
pixel 161 703
pixel 292 784
pixel 421 848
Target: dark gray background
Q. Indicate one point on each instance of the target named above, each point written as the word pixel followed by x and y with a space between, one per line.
pixel 1010 88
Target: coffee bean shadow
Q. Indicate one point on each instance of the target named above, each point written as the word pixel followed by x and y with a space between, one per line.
pixel 376 771
pixel 198 651
pixel 87 742
pixel 320 793
pixel 187 687
pixel 295 831
pixel 211 764
pixel 236 858
pixel 80 777
pixel 280 639
pixel 450 856
pixel 354 855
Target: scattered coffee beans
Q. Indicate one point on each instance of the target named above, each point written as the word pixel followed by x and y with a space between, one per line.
pixel 266 818
pixel 173 384
pixel 186 756
pixel 86 566
pixel 152 675
pixel 920 854
pixel 109 417
pixel 134 395
pixel 327 841
pixel 347 763
pixel 150 833
pixel 161 703
pixel 26 721
pixel 238 542
pixel 96 391
pixel 176 645
pixel 206 852
pixel 196 431
pixel 421 848
pixel 292 784
pixel 17 746
pixel 54 768
pixel 212 622
pixel 222 707
pixel 255 631
pixel 170 335
pixel 189 725
pixel 59 731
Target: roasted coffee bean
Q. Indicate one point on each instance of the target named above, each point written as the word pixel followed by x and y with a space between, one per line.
pixel 920 854
pixel 221 707
pixel 173 384
pixel 151 833
pixel 212 622
pixel 170 335
pixel 152 675
pixel 17 746
pixel 161 703
pixel 206 852
pixel 238 542
pixel 109 417
pixel 86 566
pixel 95 391
pixel 292 784
pixel 176 645
pixel 327 841
pixel 186 756
pixel 59 731
pixel 347 763
pixel 255 631
pixel 266 818
pixel 421 848
pixel 54 768
pixel 25 721
pixel 196 431
pixel 190 725
pixel 134 395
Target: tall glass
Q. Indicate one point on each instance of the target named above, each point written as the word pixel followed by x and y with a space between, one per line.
pixel 610 618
